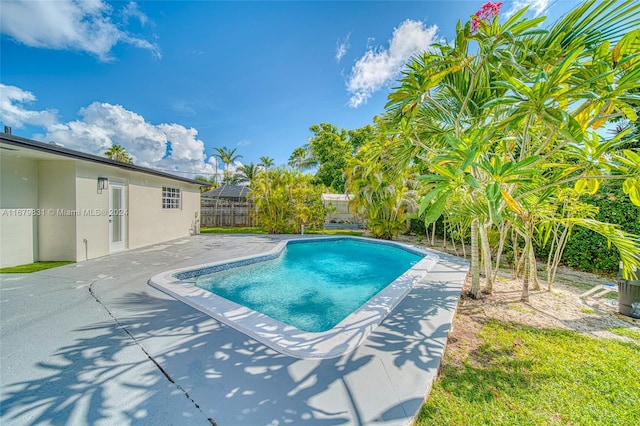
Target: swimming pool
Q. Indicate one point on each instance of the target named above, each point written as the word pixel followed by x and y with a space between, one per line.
pixel 307 298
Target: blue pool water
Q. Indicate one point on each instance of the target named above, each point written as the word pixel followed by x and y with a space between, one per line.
pixel 312 285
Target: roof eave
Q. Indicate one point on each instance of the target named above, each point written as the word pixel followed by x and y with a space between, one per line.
pixel 70 153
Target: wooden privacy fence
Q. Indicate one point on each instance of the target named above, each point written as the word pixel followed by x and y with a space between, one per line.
pixel 216 213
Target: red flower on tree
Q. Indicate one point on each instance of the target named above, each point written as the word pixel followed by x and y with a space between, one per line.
pixel 488 11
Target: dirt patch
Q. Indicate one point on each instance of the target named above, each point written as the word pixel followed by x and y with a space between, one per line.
pixel 561 308
pixel 463 337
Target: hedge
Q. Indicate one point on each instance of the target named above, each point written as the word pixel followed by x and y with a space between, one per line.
pixel 588 251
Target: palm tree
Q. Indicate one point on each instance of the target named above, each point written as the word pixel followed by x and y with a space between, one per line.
pixel 227 156
pixel 302 159
pixel 118 153
pixel 382 200
pixel 271 195
pixel 379 192
pixel 502 125
pixel 247 173
pixel 266 162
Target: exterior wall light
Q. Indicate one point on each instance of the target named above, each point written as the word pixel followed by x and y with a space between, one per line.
pixel 103 183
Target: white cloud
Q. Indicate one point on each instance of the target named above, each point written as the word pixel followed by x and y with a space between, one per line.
pixel 380 66
pixel 536 6
pixel 244 142
pixel 168 147
pixel 183 107
pixel 131 11
pixel 83 25
pixel 13 111
pixel 341 47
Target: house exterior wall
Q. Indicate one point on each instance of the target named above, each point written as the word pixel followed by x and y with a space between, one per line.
pixel 92 205
pixel 18 197
pixel 149 223
pixel 51 208
pixel 57 199
pixel 146 221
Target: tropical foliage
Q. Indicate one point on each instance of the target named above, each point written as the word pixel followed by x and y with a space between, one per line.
pixel 285 200
pixel 266 162
pixel 381 196
pixel 589 251
pixel 301 158
pixel 330 149
pixel 228 157
pixel 210 181
pixel 247 173
pixel 506 116
pixel 118 153
pixel 632 128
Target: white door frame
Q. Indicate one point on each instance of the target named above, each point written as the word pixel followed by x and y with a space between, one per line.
pixel 117 216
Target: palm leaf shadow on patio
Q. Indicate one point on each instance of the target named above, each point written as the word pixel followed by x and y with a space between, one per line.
pixel 231 378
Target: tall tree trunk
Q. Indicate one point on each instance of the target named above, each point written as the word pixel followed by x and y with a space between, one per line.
pixel 486 256
pixel 533 268
pixel 464 250
pixel 524 297
pixel 452 235
pixel 503 236
pixel 552 250
pixel 562 243
pixel 475 261
pixel 516 256
pixel 433 234
pixel 444 237
pixel 521 263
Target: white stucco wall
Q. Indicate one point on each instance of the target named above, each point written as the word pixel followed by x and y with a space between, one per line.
pixel 57 197
pixel 149 223
pixel 146 222
pixel 65 194
pixel 92 223
pixel 18 197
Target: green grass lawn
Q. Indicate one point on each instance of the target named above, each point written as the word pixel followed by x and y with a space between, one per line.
pixel 626 332
pixel 351 232
pixel 253 230
pixel 259 230
pixel 32 267
pixel 521 375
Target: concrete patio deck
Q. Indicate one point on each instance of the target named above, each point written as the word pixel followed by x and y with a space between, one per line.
pixel 92 343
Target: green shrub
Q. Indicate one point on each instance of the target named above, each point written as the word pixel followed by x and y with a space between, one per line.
pixel 589 251
pixel 417 227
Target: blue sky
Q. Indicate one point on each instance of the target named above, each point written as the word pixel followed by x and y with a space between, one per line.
pixel 194 75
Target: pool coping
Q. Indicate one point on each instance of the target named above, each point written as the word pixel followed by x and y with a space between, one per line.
pixel 345 337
